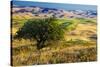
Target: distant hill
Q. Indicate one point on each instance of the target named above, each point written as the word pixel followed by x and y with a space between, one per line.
pixel 55 5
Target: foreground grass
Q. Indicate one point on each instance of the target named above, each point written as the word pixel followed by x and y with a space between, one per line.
pixel 66 52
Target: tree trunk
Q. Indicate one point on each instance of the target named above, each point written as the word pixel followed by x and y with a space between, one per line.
pixel 40 44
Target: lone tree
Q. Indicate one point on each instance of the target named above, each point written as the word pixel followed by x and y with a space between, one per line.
pixel 44 29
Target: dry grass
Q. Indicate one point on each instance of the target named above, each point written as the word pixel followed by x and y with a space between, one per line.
pixel 64 53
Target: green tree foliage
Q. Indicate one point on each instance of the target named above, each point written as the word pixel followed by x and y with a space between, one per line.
pixel 44 29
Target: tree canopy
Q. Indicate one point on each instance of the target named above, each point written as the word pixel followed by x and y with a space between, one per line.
pixel 45 29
